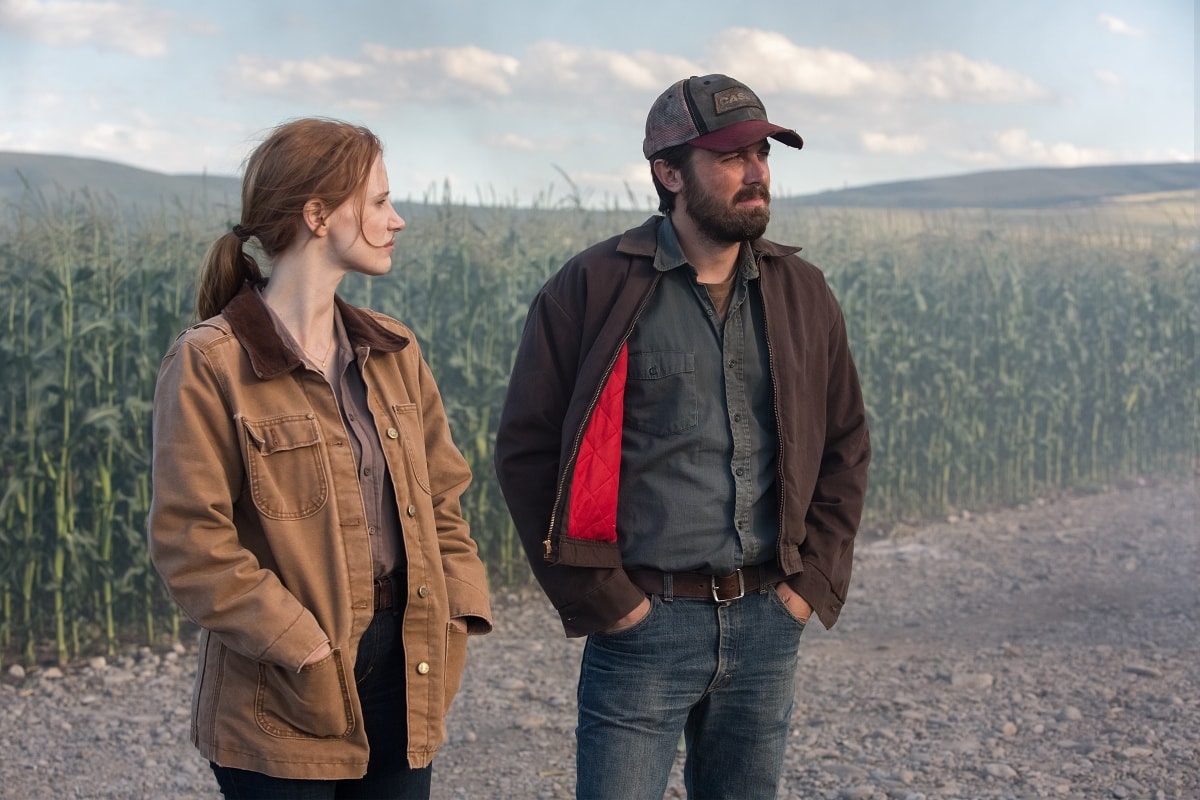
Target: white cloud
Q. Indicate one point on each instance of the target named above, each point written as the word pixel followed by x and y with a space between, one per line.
pixel 954 77
pixel 431 73
pixel 1120 26
pixel 1016 146
pixel 771 63
pixel 589 75
pixel 134 28
pixel 136 137
pixel 510 141
pixel 112 138
pixel 876 142
pixel 383 76
pixel 1109 79
pixel 570 81
pixel 312 74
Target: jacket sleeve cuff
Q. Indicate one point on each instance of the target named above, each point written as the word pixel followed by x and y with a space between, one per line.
pixel 297 643
pixel 470 603
pixel 816 591
pixel 603 607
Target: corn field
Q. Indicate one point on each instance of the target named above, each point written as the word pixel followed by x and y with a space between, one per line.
pixel 1001 357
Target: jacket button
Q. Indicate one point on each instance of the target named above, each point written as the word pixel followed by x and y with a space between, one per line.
pixel 392 433
pixel 423 668
pixel 423 591
pixel 412 511
pixel 310 415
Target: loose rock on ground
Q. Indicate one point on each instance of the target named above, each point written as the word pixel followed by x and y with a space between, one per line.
pixel 1048 651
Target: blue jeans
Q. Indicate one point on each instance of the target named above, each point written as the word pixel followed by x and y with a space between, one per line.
pixel 722 674
pixel 379 675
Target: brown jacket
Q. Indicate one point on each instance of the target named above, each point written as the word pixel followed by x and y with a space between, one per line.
pixel 574 336
pixel 256 527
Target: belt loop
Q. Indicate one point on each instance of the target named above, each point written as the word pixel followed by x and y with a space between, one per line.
pixel 668 587
pixel 762 579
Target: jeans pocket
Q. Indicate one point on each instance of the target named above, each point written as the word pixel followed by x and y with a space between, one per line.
pixel 777 602
pixel 636 627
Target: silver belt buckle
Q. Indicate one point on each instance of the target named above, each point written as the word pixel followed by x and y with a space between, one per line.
pixel 741 588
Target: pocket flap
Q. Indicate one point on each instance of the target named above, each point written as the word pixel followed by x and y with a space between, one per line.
pixel 652 366
pixel 283 433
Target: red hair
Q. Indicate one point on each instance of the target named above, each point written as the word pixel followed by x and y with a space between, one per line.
pixel 306 159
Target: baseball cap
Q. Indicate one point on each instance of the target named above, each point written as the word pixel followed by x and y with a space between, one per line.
pixel 713 112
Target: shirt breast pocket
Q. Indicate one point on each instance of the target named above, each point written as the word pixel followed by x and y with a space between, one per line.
pixel 284 466
pixel 660 393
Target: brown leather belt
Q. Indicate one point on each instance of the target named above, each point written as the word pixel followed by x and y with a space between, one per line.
pixel 721 588
pixel 384 588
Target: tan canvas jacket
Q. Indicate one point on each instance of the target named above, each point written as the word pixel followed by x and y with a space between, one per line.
pixel 256 527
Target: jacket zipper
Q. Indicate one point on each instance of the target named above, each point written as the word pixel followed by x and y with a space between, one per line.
pixel 548 543
pixel 779 455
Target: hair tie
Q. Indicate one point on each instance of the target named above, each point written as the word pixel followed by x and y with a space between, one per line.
pixel 241 233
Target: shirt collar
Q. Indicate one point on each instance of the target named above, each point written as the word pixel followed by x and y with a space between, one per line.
pixel 250 320
pixel 341 354
pixel 669 254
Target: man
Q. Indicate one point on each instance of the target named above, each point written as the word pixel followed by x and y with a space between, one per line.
pixel 684 452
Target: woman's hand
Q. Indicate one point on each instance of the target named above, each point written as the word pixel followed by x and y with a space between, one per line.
pixel 321 652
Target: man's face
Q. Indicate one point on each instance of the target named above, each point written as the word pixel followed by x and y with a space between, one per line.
pixel 728 195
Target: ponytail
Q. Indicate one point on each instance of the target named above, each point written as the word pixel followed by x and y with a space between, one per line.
pixel 227 267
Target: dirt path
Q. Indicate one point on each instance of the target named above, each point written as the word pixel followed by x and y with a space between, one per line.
pixel 1046 651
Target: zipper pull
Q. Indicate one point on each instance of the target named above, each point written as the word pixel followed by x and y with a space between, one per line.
pixel 549 547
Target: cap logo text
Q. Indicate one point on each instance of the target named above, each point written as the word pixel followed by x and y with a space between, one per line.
pixel 735 98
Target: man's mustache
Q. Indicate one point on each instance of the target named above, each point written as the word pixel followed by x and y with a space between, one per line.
pixel 752 193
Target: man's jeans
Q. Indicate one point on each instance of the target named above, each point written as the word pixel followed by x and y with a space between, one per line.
pixel 722 674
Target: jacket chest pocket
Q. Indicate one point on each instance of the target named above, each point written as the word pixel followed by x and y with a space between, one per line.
pixel 284 466
pixel 660 393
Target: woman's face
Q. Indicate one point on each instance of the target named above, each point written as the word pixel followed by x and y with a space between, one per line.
pixel 365 245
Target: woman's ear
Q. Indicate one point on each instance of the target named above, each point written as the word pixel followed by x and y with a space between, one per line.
pixel 314 217
pixel 670 177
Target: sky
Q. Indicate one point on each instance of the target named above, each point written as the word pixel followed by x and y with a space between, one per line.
pixel 533 101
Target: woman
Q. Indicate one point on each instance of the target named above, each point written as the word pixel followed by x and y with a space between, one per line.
pixel 306 494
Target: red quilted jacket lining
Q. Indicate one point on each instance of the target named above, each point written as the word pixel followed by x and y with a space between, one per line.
pixel 593 511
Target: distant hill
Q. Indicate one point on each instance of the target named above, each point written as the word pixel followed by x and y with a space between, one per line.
pixel 1016 188
pixel 145 191
pixel 133 189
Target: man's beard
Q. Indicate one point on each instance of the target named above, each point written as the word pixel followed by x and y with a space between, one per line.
pixel 722 222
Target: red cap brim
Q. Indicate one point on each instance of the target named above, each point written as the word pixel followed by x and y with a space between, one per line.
pixel 744 134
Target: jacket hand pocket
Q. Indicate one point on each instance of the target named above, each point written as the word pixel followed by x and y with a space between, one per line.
pixel 313 703
pixel 456 662
pixel 284 465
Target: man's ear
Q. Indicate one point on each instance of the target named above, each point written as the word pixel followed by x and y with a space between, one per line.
pixel 670 177
pixel 314 217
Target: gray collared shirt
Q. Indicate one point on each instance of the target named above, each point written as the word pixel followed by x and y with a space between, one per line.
pixel 697 488
pixel 374 480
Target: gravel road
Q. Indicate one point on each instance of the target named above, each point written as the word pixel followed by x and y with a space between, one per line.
pixel 1044 651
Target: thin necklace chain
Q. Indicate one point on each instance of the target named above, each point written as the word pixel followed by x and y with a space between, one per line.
pixel 321 361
